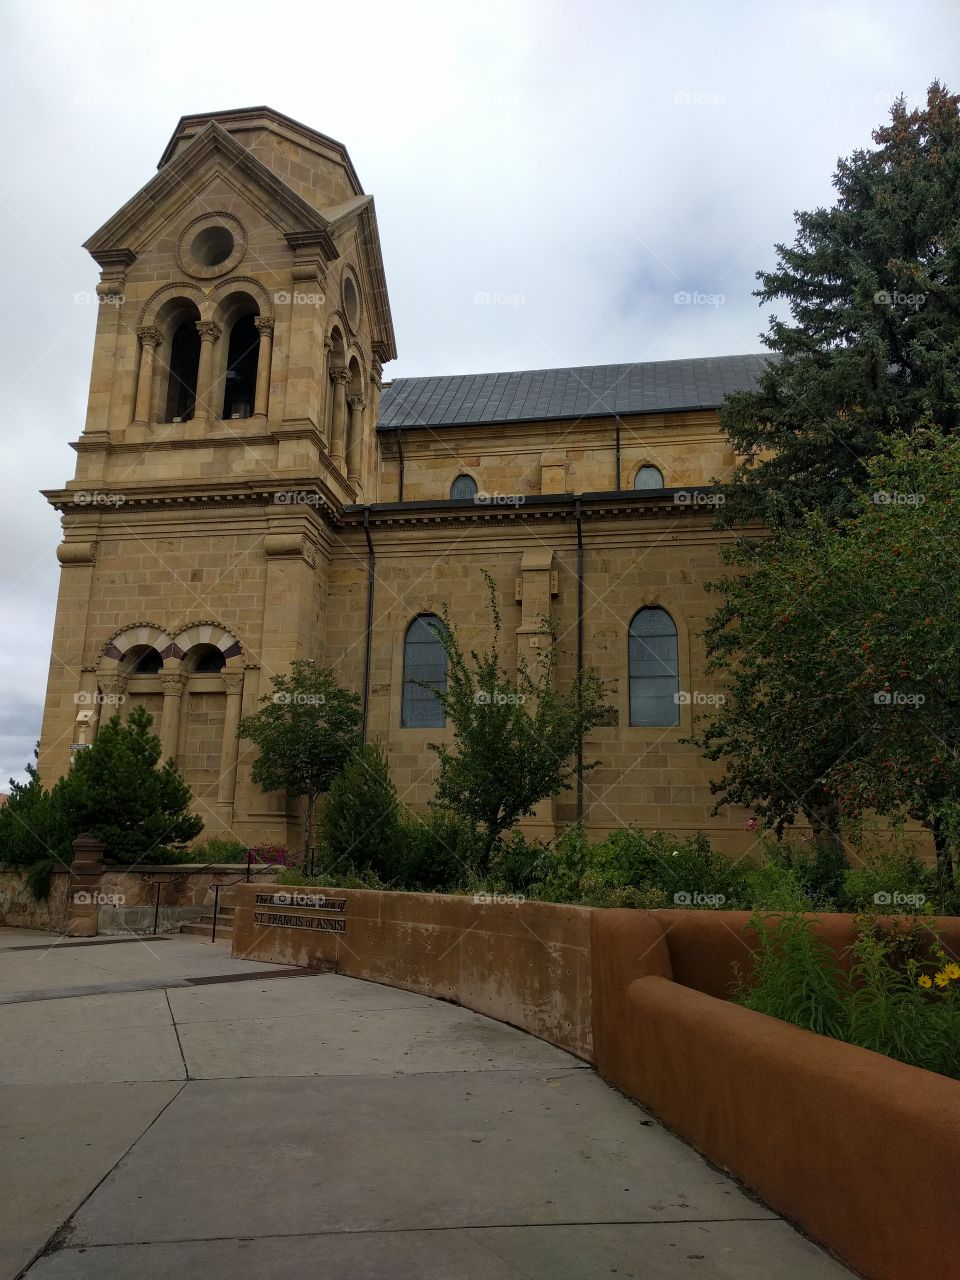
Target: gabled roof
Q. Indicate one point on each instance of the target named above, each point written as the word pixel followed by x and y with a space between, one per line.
pixel 590 391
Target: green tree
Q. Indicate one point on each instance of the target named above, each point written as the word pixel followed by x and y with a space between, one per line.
pixel 874 346
pixel 516 738
pixel 118 791
pixel 842 651
pixel 306 730
pixel 33 831
pixel 361 822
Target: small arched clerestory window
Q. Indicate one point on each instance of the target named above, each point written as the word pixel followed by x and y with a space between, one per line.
pixel 424 674
pixel 184 367
pixel 648 477
pixel 654 669
pixel 204 660
pixel 243 353
pixel 463 489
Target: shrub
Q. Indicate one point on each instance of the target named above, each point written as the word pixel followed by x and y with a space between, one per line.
pixel 895 878
pixel 818 867
pixel 795 976
pixel 442 852
pixel 360 822
pixel 33 832
pixel 216 849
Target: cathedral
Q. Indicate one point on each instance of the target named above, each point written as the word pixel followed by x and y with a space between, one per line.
pixel 250 490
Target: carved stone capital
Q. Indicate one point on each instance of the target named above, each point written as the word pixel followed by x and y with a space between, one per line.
pixel 172 682
pixel 357 402
pixel 112 685
pixel 264 324
pixel 232 681
pixel 208 330
pixel 339 374
pixel 150 336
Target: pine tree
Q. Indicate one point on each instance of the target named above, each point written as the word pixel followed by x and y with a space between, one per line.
pixel 360 823
pixel 873 285
pixel 116 792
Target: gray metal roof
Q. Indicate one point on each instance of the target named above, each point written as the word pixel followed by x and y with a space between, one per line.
pixel 591 391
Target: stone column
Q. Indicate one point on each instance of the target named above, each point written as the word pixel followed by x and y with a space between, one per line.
pixel 112 695
pixel 209 332
pixel 85 872
pixel 535 587
pixel 338 432
pixel 355 435
pixel 171 682
pixel 226 789
pixel 264 325
pixel 150 338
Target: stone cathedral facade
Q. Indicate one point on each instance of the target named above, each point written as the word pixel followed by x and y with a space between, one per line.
pixel 249 490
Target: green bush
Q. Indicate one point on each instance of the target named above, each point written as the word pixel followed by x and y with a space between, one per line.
pixel 442 853
pixel 361 823
pixel 34 834
pixel 901 996
pixel 895 878
pixel 818 868
pixel 216 849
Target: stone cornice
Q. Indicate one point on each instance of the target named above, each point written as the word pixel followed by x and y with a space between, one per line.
pixel 296 495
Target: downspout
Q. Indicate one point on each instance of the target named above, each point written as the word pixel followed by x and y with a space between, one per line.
pixel 371 580
pixel 619 460
pixel 400 458
pixel 579 652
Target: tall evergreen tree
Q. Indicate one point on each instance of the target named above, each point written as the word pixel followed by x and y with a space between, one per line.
pixel 873 286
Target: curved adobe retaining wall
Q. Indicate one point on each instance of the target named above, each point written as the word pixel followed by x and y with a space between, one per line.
pixel 860 1151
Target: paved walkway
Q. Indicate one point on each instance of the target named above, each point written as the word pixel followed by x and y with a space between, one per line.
pixel 168 1111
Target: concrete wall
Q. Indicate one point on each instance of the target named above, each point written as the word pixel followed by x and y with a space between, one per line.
pixel 527 964
pixel 861 1151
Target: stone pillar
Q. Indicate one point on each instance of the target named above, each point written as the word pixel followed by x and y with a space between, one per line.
pixel 226 789
pixel 338 432
pixel 209 332
pixel 150 339
pixel 355 436
pixel 261 401
pixel 535 587
pixel 113 694
pixel 171 682
pixel 83 909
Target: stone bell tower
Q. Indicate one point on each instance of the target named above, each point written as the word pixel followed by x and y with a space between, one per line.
pixel 242 327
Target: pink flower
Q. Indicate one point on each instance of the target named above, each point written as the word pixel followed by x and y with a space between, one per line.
pixel 751 824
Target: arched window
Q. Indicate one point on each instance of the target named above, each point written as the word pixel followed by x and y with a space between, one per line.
pixel 648 478
pixel 424 659
pixel 654 669
pixel 243 352
pixel 141 660
pixel 463 488
pixel 184 367
pixel 204 660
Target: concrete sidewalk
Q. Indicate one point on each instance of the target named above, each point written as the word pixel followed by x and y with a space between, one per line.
pixel 266 1123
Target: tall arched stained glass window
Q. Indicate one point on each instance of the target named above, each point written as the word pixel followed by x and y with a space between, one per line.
pixel 424 660
pixel 654 669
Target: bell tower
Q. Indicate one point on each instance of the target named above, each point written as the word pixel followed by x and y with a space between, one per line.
pixel 242 327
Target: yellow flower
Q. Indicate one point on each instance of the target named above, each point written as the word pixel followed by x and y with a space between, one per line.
pixel 942 979
pixel 952 970
pixel 924 981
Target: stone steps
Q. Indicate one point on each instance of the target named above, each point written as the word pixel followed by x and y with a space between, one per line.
pixel 203 927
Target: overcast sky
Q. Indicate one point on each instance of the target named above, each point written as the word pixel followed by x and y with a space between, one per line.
pixel 582 163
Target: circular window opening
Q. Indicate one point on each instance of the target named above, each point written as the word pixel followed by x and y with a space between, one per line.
pixel 351 302
pixel 212 245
